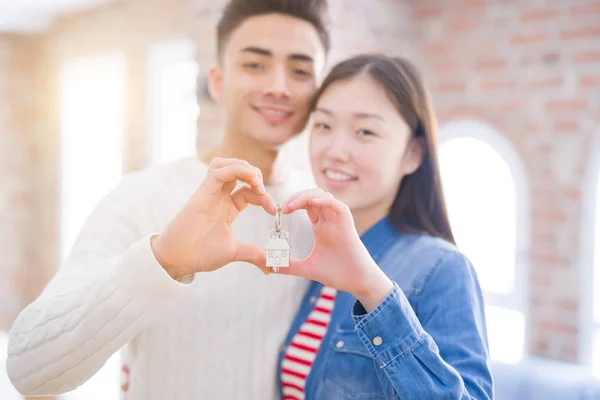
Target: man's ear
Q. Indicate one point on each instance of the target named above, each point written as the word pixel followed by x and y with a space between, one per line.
pixel 215 83
pixel 413 156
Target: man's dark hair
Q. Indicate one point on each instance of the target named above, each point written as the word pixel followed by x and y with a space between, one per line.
pixel 238 11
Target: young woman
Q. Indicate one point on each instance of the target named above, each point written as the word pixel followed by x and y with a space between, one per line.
pixel 396 311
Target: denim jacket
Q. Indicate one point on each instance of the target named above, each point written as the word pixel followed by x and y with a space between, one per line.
pixel 431 339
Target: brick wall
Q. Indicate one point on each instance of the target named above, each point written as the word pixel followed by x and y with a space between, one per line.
pixel 532 70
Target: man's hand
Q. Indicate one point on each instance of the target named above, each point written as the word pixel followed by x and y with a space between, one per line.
pixel 200 238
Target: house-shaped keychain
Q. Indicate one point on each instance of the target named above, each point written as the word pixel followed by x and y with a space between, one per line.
pixel 278 251
pixel 278 248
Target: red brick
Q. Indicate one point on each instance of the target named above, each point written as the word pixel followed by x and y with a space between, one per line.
pixel 551 215
pixel 447 66
pixel 533 38
pixel 555 326
pixel 566 126
pixel 585 9
pixel 550 58
pixel 547 258
pixel 586 56
pixel 514 104
pixel 543 83
pixel 536 300
pixel 589 81
pixel 545 149
pixel 581 33
pixel 491 63
pixel 544 280
pixel 435 48
pixel 573 193
pixel 566 105
pixel 539 15
pixel 468 4
pixel 541 347
pixel 448 87
pixel 426 12
pixel 498 85
pixel 463 25
pixel 457 112
pixel 534 128
pixel 567 304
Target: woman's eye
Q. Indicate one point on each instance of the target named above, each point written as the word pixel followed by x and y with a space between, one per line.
pixel 321 126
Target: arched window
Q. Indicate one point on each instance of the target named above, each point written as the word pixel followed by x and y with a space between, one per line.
pixel 487 195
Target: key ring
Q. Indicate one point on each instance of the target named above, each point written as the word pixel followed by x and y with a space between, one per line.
pixel 277 219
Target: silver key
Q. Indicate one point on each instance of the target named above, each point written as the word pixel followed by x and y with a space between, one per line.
pixel 278 248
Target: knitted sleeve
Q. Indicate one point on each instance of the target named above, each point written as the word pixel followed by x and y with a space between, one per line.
pixel 109 288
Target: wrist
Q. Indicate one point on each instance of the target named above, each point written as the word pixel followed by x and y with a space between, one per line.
pixel 377 288
pixel 175 273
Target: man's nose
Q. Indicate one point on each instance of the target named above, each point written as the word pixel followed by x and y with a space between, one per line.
pixel 278 84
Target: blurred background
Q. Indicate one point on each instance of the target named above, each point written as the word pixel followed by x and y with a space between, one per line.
pixel 93 89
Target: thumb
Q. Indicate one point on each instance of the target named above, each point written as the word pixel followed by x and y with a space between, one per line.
pixel 252 254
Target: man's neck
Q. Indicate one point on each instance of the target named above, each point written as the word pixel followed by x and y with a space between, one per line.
pixel 244 148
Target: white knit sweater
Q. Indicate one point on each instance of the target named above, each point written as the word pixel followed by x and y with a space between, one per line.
pixel 216 338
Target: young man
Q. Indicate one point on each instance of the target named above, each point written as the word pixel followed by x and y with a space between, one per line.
pixel 146 273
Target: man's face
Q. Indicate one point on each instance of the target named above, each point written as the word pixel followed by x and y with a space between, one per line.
pixel 270 70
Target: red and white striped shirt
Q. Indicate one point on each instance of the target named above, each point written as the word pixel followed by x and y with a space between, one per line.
pixel 303 348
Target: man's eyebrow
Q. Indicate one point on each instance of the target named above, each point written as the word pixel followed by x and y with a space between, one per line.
pixel 257 50
pixel 300 57
pixel 268 53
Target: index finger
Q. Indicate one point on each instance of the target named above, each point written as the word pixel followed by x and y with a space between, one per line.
pixel 217 178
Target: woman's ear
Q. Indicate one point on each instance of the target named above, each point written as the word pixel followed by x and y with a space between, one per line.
pixel 215 83
pixel 413 156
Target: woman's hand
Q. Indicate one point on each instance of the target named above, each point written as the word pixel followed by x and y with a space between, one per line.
pixel 338 258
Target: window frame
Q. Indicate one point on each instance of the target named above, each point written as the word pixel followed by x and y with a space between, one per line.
pixel 587 258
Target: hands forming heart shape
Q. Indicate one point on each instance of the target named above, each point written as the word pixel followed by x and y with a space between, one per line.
pixel 200 237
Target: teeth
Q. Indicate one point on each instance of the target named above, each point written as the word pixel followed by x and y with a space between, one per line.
pixel 276 113
pixel 338 176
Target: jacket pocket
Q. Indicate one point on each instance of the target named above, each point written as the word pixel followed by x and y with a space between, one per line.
pixel 350 371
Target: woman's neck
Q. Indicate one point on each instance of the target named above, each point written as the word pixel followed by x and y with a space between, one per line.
pixel 366 218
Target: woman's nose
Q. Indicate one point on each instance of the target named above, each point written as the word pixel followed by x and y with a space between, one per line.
pixel 338 148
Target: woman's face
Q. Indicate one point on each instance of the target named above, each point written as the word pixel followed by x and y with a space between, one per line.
pixel 360 146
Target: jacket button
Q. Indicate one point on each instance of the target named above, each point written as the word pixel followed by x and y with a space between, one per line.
pixel 339 344
pixel 377 340
pixel 312 299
